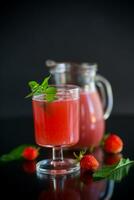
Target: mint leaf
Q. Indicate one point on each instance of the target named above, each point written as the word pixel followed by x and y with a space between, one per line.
pixel 44 84
pixel 48 91
pixel 15 154
pixel 50 94
pixel 114 172
pixel 51 90
pixel 29 95
pixel 50 97
pixel 33 85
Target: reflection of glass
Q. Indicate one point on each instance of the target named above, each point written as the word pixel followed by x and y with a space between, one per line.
pixel 74 188
pixel 56 188
pixel 56 126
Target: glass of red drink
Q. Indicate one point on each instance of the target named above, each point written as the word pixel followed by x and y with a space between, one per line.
pixel 56 126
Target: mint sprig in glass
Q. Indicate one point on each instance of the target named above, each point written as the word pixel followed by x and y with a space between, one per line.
pixel 43 88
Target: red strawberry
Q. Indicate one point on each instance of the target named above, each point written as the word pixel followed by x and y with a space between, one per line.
pixel 89 162
pixel 113 144
pixel 30 153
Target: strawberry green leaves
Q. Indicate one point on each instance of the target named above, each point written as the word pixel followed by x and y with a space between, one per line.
pixel 43 88
pixel 114 172
pixel 80 156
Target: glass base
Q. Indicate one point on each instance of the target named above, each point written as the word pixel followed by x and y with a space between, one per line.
pixel 51 167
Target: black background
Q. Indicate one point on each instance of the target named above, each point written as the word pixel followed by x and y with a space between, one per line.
pixel 94 31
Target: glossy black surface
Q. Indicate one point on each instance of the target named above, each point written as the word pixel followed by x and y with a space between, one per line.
pixel 19 180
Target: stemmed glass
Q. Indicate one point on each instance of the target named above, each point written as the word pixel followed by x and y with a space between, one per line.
pixel 56 126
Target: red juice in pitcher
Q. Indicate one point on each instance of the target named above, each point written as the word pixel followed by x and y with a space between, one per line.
pixel 93 110
pixel 56 123
pixel 92 123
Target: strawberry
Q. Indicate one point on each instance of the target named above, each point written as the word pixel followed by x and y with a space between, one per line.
pixel 113 144
pixel 30 153
pixel 89 162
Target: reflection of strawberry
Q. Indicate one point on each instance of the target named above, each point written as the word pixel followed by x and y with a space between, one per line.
pixel 86 177
pixel 112 158
pixel 29 166
pixel 113 144
pixel 30 153
pixel 59 195
pixel 89 162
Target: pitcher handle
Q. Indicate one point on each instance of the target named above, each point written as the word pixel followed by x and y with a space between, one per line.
pixel 106 93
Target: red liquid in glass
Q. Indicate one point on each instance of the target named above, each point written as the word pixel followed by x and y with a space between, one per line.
pixel 91 120
pixel 56 123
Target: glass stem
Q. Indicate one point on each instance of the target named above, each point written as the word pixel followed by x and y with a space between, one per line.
pixel 57 154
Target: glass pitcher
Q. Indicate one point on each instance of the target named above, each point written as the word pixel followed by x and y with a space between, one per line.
pixel 96 98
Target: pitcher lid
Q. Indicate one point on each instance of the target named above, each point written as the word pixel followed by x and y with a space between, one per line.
pixel 60 67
